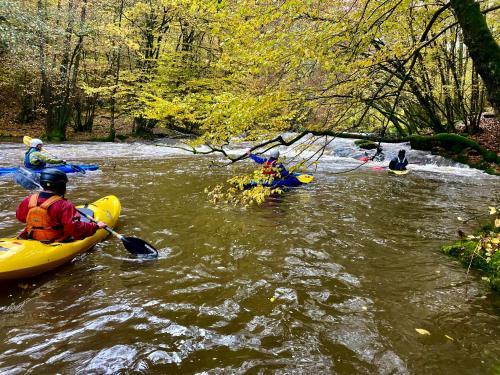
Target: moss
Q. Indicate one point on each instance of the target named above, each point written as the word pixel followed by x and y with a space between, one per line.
pixel 366 144
pixel 461 159
pixel 494 271
pixel 465 252
pixel 461 149
pixel 452 142
pixel 491 157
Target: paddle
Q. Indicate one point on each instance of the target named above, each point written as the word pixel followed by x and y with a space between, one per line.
pixel 76 168
pixel 304 178
pixel 27 179
pixel 134 245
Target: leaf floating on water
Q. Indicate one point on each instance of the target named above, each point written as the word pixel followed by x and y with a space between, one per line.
pixel 422 331
pixel 497 223
pixel 23 286
pixel 493 210
pixel 460 218
pixel 272 299
pixel 449 337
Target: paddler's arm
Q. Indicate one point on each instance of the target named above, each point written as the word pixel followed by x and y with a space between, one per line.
pixel 43 156
pixel 257 159
pixel 283 171
pixel 70 219
pixel 22 210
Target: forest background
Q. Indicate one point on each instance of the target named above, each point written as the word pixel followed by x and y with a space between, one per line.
pixel 102 70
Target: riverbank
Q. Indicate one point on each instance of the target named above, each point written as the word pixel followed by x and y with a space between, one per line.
pixel 480 252
pixel 480 151
pixel 460 149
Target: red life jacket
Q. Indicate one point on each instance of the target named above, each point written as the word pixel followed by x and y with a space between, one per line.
pixel 269 168
pixel 39 225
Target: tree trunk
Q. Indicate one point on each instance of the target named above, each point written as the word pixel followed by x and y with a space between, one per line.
pixel 46 89
pixel 117 62
pixel 483 49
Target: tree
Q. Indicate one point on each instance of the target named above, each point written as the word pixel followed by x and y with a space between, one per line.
pixel 483 48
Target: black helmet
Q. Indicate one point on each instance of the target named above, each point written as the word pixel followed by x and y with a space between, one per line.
pixel 54 179
pixel 401 153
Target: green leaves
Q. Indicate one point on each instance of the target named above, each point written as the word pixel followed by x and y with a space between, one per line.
pixel 250 69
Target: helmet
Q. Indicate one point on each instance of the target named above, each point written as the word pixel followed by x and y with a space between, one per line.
pixel 35 142
pixel 54 180
pixel 401 153
pixel 275 154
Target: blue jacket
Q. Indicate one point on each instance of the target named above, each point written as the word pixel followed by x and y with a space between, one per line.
pixel 397 164
pixel 28 163
pixel 280 167
pixel 36 159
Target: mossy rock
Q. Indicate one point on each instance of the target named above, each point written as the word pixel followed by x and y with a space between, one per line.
pixel 491 157
pixel 451 142
pixel 366 144
pixel 461 149
pixel 464 251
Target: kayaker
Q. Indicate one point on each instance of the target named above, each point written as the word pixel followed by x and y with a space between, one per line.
pixel 35 158
pixel 400 162
pixel 270 165
pixel 49 217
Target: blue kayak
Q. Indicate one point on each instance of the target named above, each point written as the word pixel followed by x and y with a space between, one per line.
pixel 67 168
pixel 292 180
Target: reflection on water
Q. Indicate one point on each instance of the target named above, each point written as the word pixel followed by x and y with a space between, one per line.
pixel 330 278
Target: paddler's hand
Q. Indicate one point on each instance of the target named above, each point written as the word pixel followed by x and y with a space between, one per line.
pixel 101 224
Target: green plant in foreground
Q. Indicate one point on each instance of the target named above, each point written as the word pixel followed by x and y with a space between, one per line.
pixel 481 251
pixel 239 192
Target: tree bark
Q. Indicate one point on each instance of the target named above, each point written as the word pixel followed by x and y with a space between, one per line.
pixel 483 48
pixel 116 56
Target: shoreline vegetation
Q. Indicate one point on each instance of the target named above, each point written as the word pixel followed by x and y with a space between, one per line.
pixel 114 70
pixel 480 251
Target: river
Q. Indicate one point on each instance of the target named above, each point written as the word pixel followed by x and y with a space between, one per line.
pixel 330 278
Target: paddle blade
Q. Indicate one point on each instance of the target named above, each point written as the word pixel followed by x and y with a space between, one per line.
pixel 305 178
pixel 27 140
pixel 76 168
pixel 139 247
pixel 28 180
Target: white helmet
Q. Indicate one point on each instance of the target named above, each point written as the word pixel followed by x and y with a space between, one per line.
pixel 35 142
pixel 275 154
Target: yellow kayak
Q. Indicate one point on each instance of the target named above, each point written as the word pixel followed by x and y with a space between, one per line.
pixel 404 171
pixel 26 258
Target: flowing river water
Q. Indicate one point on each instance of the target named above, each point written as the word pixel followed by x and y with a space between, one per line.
pixel 330 278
